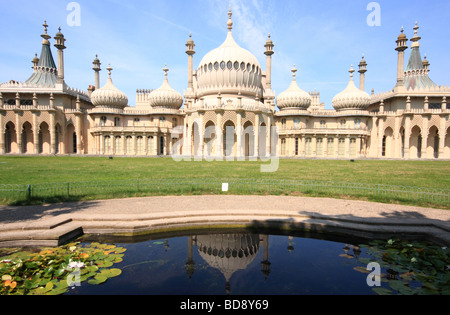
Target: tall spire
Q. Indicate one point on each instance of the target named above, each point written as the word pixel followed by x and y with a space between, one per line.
pixel 45 72
pixel 416 74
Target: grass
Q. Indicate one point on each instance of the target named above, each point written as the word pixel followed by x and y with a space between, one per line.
pixel 49 169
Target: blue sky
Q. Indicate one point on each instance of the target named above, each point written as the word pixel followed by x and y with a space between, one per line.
pixel 323 38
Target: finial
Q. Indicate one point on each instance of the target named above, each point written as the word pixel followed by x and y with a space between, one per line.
pixel 166 71
pixel 294 70
pixel 109 70
pixel 416 37
pixel 351 72
pixel 45 36
pixel 230 22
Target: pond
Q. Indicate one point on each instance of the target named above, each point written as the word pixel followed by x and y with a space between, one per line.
pixel 262 263
pixel 230 263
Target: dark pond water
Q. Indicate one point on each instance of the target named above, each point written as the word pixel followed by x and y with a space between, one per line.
pixel 235 263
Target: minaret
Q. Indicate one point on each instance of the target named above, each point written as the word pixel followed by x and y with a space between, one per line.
pixel 269 52
pixel 60 40
pixel 362 71
pixel 401 47
pixel 190 45
pixel 97 70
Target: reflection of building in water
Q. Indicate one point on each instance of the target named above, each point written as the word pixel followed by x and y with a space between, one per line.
pixel 228 253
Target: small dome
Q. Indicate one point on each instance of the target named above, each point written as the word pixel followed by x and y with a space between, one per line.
pixel 351 97
pixel 294 97
pixel 109 95
pixel 166 96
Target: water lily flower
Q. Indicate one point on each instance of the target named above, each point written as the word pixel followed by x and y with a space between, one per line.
pixel 413 260
pixel 6 261
pixel 72 248
pixel 75 264
pixel 390 242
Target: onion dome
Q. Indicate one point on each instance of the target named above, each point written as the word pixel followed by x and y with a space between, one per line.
pixel 294 97
pixel 228 252
pixel 109 95
pixel 166 96
pixel 229 68
pixel 351 97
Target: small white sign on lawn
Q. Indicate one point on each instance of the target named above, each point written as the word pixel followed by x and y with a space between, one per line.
pixel 224 186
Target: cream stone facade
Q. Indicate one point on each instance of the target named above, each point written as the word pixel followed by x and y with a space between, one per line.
pixel 228 110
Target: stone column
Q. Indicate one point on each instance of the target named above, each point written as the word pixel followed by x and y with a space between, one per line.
pixel 303 146
pixel 35 129
pixel 2 129
pixel 424 137
pixel 219 134
pixel 239 148
pixel 380 137
pixel 256 136
pixel 102 145
pixel 442 132
pixel 269 136
pixel 407 135
pixel 347 146
pixel 358 147
pixel 313 146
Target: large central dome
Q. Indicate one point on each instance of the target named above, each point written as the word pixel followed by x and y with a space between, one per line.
pixel 228 69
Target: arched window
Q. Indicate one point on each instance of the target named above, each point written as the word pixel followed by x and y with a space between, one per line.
pixel 103 121
pixel 330 147
pixel 118 144
pixel 308 146
pixel 319 146
pixel 341 147
pixel 140 145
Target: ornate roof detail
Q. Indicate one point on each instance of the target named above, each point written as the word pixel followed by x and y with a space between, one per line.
pixel 45 72
pixel 352 97
pixel 109 95
pixel 294 97
pixel 416 73
pixel 166 96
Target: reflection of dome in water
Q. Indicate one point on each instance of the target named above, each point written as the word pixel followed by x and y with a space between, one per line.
pixel 228 252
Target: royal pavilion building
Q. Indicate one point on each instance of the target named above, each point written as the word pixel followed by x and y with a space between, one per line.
pixel 228 110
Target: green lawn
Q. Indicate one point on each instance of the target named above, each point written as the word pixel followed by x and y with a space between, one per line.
pixel 33 170
pixel 148 176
